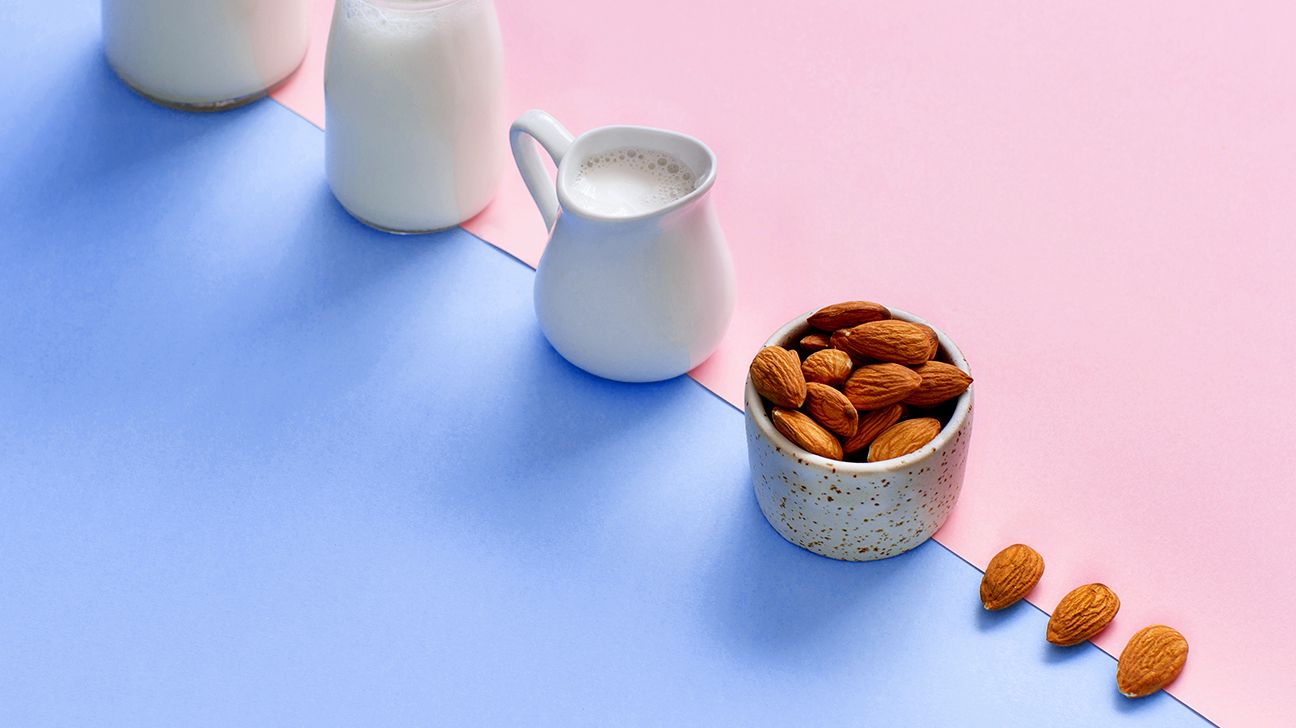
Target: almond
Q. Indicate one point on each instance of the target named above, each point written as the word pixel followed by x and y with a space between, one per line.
pixel 847 314
pixel 829 366
pixel 1152 660
pixel 871 425
pixel 776 374
pixel 903 438
pixel 831 409
pixel 806 433
pixel 1010 576
pixel 894 341
pixel 1083 613
pixel 940 382
pixel 877 385
pixel 814 342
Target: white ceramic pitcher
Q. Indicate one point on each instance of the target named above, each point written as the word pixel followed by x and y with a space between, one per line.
pixel 631 297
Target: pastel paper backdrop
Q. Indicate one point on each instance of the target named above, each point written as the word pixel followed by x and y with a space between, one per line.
pixel 1094 199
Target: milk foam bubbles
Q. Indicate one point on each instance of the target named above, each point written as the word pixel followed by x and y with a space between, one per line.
pixel 414 110
pixel 631 181
pixel 204 53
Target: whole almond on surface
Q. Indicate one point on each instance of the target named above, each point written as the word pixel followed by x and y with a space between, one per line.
pixel 806 433
pixel 847 314
pixel 814 342
pixel 892 341
pixel 940 382
pixel 877 385
pixel 776 374
pixel 831 409
pixel 1083 613
pixel 1010 576
pixel 871 424
pixel 829 366
pixel 903 438
pixel 1151 660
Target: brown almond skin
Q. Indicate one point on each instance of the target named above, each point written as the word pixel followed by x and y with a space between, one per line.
pixel 814 342
pixel 934 346
pixel 805 433
pixel 1010 576
pixel 903 438
pixel 874 386
pixel 940 382
pixel 776 374
pixel 871 424
pixel 847 314
pixel 1151 660
pixel 856 360
pixel 1082 614
pixel 829 366
pixel 831 409
pixel 892 341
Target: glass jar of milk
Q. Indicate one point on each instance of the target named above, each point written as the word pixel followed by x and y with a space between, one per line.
pixel 204 54
pixel 414 111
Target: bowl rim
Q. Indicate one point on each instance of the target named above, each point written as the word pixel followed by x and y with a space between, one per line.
pixel 755 408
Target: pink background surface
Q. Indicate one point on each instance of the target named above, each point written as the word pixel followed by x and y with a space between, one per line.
pixel 1094 199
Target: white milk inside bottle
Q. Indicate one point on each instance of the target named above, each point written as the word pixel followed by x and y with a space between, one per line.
pixel 630 181
pixel 204 53
pixel 414 115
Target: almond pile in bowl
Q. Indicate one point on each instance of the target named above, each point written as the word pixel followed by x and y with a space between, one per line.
pixel 861 386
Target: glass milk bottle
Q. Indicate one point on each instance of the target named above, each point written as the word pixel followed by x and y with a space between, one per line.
pixel 204 54
pixel 414 111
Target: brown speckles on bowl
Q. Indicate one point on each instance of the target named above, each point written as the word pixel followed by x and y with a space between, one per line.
pixel 858 511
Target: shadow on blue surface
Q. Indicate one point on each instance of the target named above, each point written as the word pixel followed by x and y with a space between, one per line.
pixel 261 465
pixel 83 137
pixel 776 601
pixel 989 621
pixel 1053 653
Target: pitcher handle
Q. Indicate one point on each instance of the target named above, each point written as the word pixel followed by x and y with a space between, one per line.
pixel 556 140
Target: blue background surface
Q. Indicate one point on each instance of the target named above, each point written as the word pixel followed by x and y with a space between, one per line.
pixel 260 465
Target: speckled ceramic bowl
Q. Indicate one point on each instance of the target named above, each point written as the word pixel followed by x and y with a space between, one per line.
pixel 857 511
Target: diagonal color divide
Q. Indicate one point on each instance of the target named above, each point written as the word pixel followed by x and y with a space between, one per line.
pixel 249 449
pixel 1095 202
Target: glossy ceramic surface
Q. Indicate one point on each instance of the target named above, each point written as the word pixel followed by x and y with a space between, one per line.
pixel 857 511
pixel 635 298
